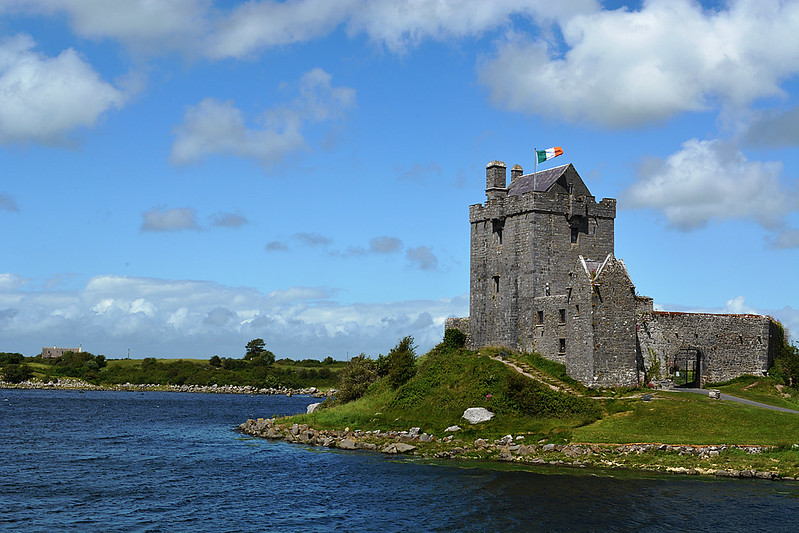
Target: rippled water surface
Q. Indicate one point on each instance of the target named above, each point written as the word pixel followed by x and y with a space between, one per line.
pixel 123 461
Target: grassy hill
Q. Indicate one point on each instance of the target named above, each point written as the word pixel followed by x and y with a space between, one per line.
pixel 448 381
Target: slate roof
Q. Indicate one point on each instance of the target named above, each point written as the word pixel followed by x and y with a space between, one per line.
pixel 540 181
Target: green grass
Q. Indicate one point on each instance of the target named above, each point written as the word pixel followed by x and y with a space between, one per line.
pixel 448 382
pixel 760 389
pixel 683 418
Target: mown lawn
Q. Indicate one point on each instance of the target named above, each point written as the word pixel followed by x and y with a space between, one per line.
pixel 684 418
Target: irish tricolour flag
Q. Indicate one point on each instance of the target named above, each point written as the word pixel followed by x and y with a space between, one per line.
pixel 549 153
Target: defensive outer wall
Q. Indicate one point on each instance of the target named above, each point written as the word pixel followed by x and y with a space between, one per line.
pixel 543 277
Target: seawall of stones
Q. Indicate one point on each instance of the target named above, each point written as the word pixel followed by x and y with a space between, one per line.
pixel 508 448
pixel 391 442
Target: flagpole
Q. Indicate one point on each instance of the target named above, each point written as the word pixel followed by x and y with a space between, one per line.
pixel 535 167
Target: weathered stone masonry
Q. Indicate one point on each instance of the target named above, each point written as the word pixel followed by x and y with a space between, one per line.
pixel 544 278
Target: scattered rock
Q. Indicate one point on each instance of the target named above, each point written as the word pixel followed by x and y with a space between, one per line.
pixel 312 408
pixel 452 429
pixel 475 415
pixel 398 447
pixel 347 444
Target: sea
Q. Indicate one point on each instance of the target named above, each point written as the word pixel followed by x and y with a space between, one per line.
pixel 169 461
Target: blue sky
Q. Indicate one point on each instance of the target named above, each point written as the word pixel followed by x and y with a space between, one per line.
pixel 177 178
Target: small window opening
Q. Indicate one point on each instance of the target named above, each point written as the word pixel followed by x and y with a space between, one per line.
pixel 569 295
pixel 562 316
pixel 676 335
pixel 570 187
pixel 498 225
pixel 759 340
pixel 577 309
pixel 575 234
pixel 496 283
pixel 741 339
pixel 539 318
pixel 562 347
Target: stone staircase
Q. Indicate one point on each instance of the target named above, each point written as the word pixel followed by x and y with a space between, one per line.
pixel 533 373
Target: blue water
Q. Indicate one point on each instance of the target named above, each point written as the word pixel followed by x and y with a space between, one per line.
pixel 122 461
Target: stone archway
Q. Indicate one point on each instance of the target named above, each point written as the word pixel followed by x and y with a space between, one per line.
pixel 688 365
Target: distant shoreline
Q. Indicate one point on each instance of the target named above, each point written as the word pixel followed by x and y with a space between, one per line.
pixel 74 384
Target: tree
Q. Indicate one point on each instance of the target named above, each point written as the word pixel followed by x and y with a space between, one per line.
pixel 215 361
pixel 257 353
pixel 254 348
pixel 401 362
pixel 786 361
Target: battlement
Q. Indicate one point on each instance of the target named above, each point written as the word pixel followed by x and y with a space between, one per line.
pixel 543 202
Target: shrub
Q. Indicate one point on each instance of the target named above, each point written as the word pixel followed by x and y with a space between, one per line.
pixel 355 378
pixel 401 362
pixel 454 339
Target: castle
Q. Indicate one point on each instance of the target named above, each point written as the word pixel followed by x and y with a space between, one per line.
pixel 544 278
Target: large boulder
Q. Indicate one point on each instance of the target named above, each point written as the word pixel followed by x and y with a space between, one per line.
pixel 312 408
pixel 398 447
pixel 347 444
pixel 475 415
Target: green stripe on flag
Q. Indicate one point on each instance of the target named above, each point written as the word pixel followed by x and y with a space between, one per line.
pixel 542 155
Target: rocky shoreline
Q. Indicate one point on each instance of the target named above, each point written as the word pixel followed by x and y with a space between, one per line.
pixel 513 449
pixel 77 384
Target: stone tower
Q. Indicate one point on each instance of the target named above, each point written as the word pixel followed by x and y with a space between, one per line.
pixel 525 240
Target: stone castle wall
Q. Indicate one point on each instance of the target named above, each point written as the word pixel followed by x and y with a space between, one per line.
pixel 728 345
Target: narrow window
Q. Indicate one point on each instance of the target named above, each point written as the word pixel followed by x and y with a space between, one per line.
pixel 741 339
pixel 539 318
pixel 577 309
pixel 570 187
pixel 562 347
pixel 759 340
pixel 575 234
pixel 568 295
pixel 496 283
pixel 562 316
pixel 498 225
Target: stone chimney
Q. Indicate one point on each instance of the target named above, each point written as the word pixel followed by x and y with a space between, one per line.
pixel 495 180
pixel 515 172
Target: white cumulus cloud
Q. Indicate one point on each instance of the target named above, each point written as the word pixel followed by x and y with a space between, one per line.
pixel 46 98
pixel 625 68
pixel 213 127
pixel 712 180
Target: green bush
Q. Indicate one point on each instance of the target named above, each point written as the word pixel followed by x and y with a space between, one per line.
pixel 16 373
pixel 454 339
pixel 401 362
pixel 356 377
